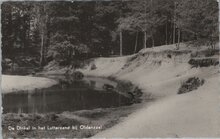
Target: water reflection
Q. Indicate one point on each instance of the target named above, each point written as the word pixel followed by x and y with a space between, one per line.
pixel 68 95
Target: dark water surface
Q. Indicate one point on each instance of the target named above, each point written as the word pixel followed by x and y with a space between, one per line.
pixel 68 95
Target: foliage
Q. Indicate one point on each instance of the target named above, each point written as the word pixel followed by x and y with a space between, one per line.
pixel 66 30
pixel 191 84
pixel 204 62
pixel 93 66
pixel 199 18
pixel 65 51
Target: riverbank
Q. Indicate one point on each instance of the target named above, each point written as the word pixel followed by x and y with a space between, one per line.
pixel 12 83
pixel 161 71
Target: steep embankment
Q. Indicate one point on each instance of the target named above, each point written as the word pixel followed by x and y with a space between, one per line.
pixel 161 71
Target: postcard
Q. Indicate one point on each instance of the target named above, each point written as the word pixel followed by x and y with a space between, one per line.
pixel 110 69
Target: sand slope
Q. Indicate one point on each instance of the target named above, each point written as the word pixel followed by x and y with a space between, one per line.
pixel 161 71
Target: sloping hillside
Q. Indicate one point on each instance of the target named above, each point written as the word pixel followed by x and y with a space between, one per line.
pixel 161 71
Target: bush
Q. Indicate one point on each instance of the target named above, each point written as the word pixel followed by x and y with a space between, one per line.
pixel 93 67
pixel 65 51
pixel 190 85
pixel 210 53
pixel 6 64
pixel 205 62
pixel 108 87
pixel 78 75
pixel 124 86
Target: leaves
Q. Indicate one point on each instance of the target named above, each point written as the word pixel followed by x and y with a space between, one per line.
pixel 94 26
pixel 198 17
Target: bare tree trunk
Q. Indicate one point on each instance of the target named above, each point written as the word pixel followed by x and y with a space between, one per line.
pixel 174 33
pixel 166 33
pixel 121 43
pixel 145 39
pixel 10 27
pixel 152 38
pixel 43 24
pixel 179 33
pixel 152 41
pixel 136 42
pixel 42 50
pixel 174 26
pixel 47 41
pixel 170 34
pixel 212 42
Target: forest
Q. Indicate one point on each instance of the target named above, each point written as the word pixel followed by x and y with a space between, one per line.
pixel 64 31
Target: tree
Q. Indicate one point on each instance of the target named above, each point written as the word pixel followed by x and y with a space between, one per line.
pixel 145 16
pixel 16 26
pixel 200 19
pixel 41 11
pixel 104 28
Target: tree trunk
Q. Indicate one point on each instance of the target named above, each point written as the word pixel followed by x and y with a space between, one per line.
pixel 212 42
pixel 43 27
pixel 178 44
pixel 10 28
pixel 174 26
pixel 170 34
pixel 42 50
pixel 174 33
pixel 166 42
pixel 152 38
pixel 121 43
pixel 28 33
pixel 136 42
pixel 47 41
pixel 145 39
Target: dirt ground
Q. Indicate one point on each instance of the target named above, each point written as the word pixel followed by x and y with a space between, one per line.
pixel 79 124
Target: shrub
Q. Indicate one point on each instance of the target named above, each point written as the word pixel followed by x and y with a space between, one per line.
pixel 205 62
pixel 78 75
pixel 93 67
pixel 169 56
pixel 108 87
pixel 65 51
pixel 124 86
pixel 210 53
pixel 190 85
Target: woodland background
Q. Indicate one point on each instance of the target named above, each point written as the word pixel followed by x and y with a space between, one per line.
pixel 35 33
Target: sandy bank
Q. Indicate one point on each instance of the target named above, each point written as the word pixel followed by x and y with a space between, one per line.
pixel 161 71
pixel 17 83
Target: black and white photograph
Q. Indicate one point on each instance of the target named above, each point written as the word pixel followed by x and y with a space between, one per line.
pixel 110 69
